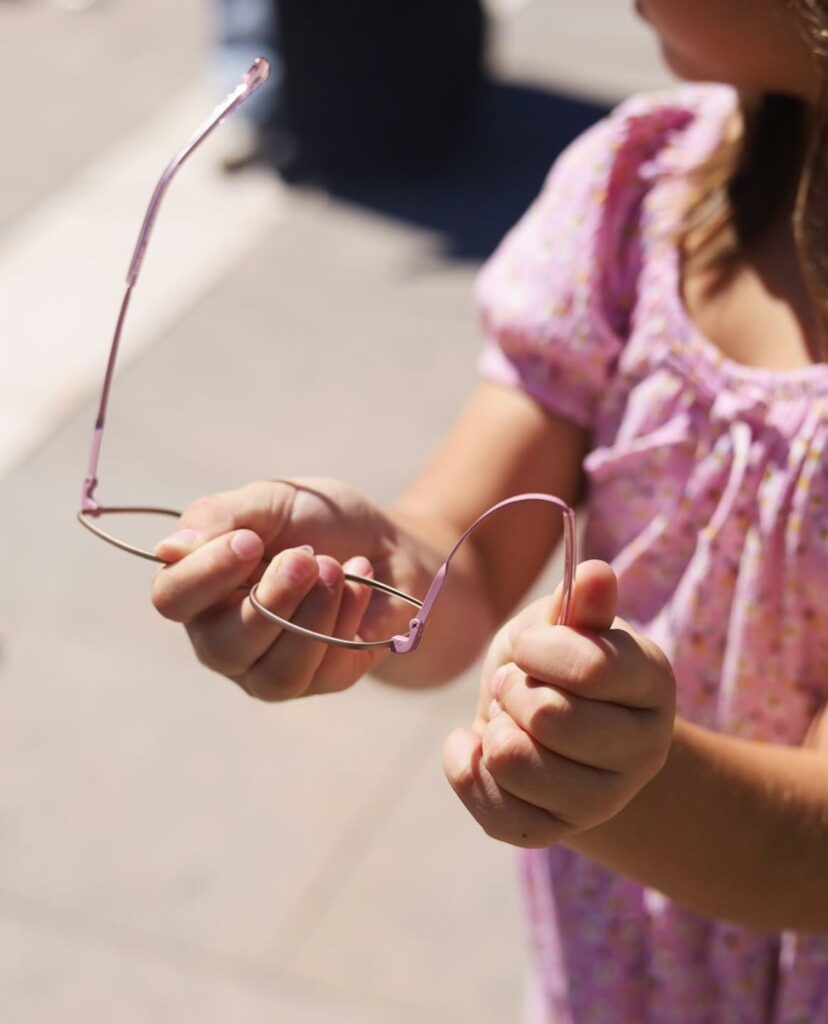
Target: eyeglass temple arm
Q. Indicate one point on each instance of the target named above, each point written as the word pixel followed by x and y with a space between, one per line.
pixel 255 77
pixel 409 642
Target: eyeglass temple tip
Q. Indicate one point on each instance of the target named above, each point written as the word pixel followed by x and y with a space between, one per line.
pixel 257 75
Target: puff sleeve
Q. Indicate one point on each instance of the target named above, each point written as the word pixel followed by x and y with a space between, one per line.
pixel 555 295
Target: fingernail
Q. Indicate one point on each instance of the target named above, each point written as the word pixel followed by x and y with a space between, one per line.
pixel 359 566
pixel 494 709
pixel 295 566
pixel 499 681
pixel 184 539
pixel 330 572
pixel 307 549
pixel 246 545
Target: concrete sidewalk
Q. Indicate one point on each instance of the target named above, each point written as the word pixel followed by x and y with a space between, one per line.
pixel 170 850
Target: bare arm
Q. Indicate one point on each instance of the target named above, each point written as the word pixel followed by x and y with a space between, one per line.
pixel 730 828
pixel 504 443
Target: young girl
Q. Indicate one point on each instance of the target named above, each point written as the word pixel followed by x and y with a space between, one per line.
pixel 656 327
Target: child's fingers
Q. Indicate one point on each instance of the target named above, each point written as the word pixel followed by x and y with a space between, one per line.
pixel 500 814
pixel 286 670
pixel 575 793
pixel 178 545
pixel 613 665
pixel 341 667
pixel 207 576
pixel 263 507
pixel 594 597
pixel 592 732
pixel 231 640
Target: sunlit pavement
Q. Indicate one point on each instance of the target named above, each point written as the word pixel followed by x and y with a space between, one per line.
pixel 169 850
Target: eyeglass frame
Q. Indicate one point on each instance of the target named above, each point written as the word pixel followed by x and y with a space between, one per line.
pixel 91 509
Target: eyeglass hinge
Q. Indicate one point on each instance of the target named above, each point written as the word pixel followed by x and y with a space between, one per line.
pixel 407 643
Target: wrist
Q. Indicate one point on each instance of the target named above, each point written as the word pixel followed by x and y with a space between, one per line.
pixel 461 619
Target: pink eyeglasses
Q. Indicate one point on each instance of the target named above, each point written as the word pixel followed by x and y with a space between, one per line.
pixel 92 511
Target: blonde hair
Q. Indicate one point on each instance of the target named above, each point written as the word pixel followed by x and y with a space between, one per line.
pixel 775 153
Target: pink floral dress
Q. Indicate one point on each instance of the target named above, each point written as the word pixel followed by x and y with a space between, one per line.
pixel 708 495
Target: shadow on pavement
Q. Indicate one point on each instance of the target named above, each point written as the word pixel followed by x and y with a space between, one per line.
pixel 477 194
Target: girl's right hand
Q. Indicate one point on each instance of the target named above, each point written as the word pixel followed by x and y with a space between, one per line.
pixel 266 531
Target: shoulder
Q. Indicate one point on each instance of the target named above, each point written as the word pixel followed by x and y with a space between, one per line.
pixel 649 133
pixel 576 252
pixel 665 110
pixel 593 191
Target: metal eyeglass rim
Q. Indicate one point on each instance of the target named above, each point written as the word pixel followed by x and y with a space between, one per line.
pixel 335 641
pixel 86 517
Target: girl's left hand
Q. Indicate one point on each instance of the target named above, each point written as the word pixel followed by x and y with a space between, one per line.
pixel 573 720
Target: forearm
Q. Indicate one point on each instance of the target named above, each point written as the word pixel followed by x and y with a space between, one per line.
pixel 729 828
pixel 503 444
pixel 463 618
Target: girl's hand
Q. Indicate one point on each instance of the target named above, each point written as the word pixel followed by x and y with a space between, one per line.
pixel 297 538
pixel 573 720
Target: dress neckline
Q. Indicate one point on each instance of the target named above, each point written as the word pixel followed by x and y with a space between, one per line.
pixel 701 349
pixel 712 106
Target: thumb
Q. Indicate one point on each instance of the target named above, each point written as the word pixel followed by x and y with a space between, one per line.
pixel 594 597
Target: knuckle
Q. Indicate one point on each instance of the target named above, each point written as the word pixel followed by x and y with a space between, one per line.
pixel 658 672
pixel 656 655
pixel 333 680
pixel 553 714
pixel 209 512
pixel 524 644
pixel 213 654
pixel 274 689
pixel 590 662
pixel 261 694
pixel 655 747
pixel 218 559
pixel 164 598
pixel 616 796
pixel 462 777
pixel 639 748
pixel 504 752
pixel 665 681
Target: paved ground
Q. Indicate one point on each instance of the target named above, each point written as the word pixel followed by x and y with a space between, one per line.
pixel 170 851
